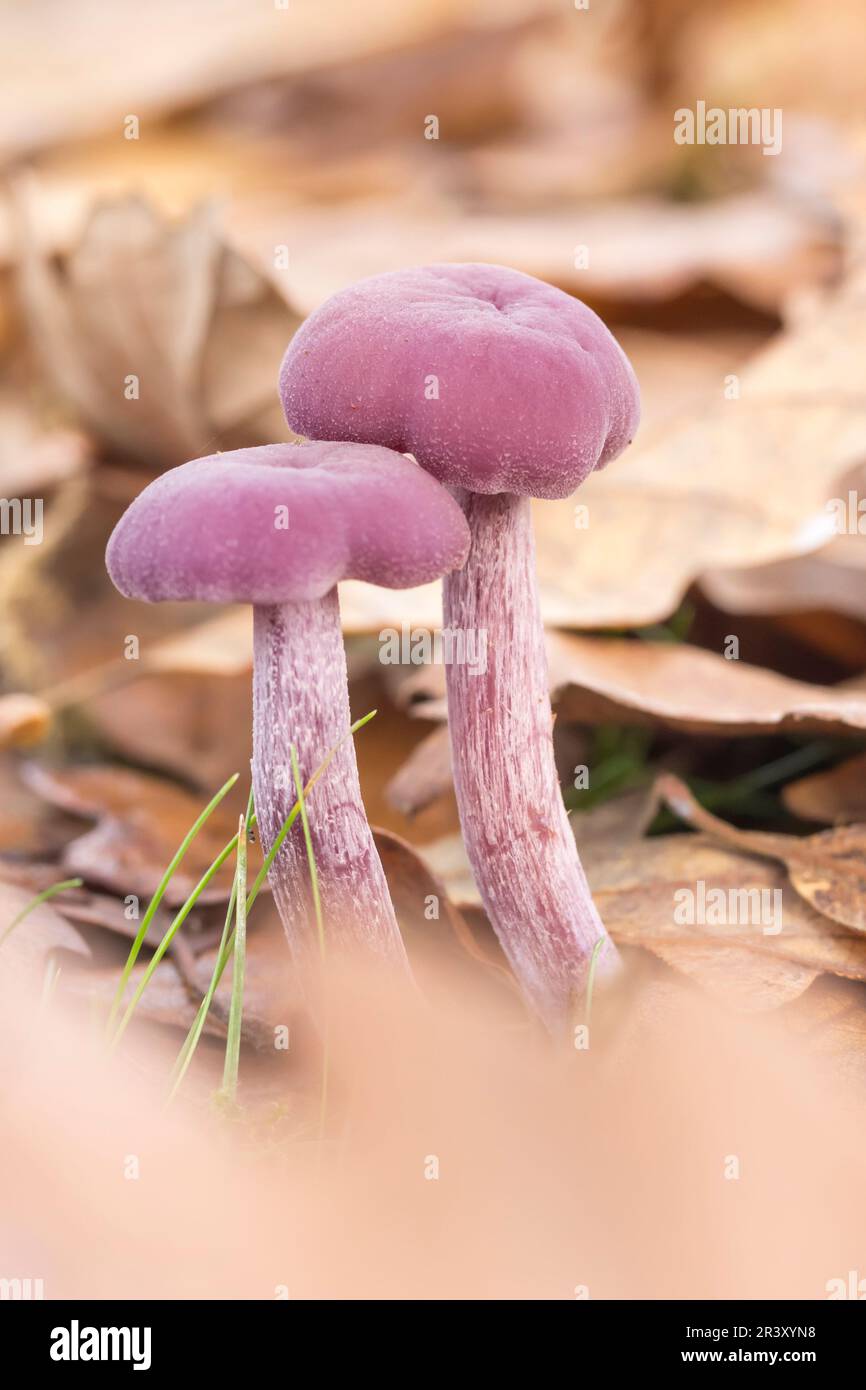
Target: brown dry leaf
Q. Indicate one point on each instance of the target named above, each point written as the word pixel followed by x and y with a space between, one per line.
pixel 271 997
pixel 416 891
pixel 166 1000
pixel 832 1017
pixel 446 859
pixel 164 310
pixel 835 796
pixel 688 688
pixel 140 823
pixel 27 825
pixel 752 246
pixel 614 824
pixel 25 951
pixel 35 459
pixel 199 728
pixel 803 584
pixel 86 908
pixel 743 482
pixel 635 892
pixel 634 882
pixel 24 720
pixel 62 616
pixel 222 646
pixel 828 869
pixel 600 680
pixel 635 888
pixel 740 978
pixel 104 61
pixel 424 776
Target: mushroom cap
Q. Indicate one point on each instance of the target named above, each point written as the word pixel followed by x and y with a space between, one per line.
pixel 495 381
pixel 284 523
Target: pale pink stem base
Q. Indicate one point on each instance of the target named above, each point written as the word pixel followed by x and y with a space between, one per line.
pixel 301 698
pixel 515 826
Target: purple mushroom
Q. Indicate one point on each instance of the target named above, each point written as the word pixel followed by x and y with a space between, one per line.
pixel 504 388
pixel 278 527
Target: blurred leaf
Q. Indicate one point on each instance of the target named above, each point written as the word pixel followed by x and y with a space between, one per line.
pixel 140 821
pixel 160 337
pixel 828 869
pixel 835 796
pixel 25 950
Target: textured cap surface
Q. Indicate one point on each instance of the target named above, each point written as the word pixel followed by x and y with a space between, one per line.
pixel 285 522
pixel 495 381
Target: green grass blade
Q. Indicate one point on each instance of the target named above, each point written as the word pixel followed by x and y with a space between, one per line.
pixel 158 896
pixel 311 858
pixel 226 947
pixel 233 1039
pixel 185 1056
pixel 590 984
pixel 40 898
pixel 170 933
pixel 320 928
pixel 49 984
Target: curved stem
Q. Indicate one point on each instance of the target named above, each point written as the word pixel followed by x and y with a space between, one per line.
pixel 301 698
pixel 517 833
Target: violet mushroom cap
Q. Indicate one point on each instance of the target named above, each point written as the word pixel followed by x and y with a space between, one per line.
pixel 207 531
pixel 532 391
pixel 504 388
pixel 278 527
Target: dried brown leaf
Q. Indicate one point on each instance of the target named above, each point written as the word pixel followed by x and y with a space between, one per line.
pixel 836 796
pixel 634 884
pixel 25 951
pixel 828 869
pixel 425 775
pixel 166 1000
pixel 740 978
pixel 35 459
pixel 140 823
pixel 108 52
pixel 693 690
pixel 600 680
pixel 24 720
pixel 165 311
pixel 752 246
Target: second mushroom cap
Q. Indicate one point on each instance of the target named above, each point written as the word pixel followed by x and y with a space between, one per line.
pixel 285 522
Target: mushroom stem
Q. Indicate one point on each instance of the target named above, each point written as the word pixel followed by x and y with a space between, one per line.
pixel 301 698
pixel 515 826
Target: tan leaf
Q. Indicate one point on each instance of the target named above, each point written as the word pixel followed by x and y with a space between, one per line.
pixel 634 883
pixel 599 680
pixel 835 796
pixel 109 53
pixel 828 869
pixel 804 583
pixel 25 951
pixel 24 720
pixel 140 823
pixel 163 311
pixel 35 459
pixel 645 249
pixel 634 891
pixel 742 979
pixel 687 688
pixel 165 1001
pixel 425 775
